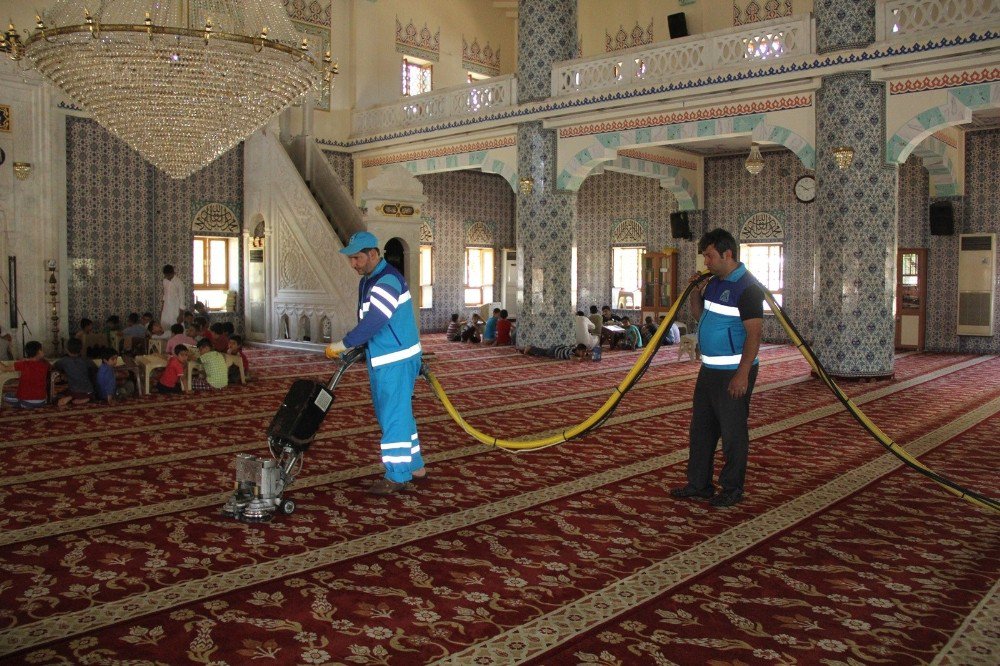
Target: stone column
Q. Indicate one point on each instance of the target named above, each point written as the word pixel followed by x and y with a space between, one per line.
pixel 856 207
pixel 545 220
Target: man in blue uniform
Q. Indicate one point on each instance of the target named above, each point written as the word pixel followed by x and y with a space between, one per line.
pixel 730 311
pixel 387 327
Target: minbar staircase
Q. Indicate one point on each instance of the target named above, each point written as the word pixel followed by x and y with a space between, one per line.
pixel 326 186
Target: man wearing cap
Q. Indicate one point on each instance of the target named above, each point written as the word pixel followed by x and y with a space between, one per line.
pixel 386 325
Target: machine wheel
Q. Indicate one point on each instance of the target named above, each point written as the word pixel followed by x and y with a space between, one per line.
pixel 287 507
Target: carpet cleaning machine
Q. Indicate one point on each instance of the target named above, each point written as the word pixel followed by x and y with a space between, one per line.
pixel 261 481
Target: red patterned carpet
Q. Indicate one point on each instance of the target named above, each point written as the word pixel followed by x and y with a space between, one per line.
pixel 113 550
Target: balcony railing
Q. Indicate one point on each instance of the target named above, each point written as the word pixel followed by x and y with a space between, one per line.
pixel 649 65
pixel 445 104
pixel 905 18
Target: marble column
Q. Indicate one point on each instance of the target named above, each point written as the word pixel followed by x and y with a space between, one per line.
pixel 856 209
pixel 545 219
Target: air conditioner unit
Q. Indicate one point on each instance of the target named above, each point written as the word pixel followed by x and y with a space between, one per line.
pixel 976 283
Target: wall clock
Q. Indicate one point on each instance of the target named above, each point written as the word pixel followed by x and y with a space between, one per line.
pixel 805 189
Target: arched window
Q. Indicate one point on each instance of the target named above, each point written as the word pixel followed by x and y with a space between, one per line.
pixel 628 245
pixel 479 264
pixel 762 250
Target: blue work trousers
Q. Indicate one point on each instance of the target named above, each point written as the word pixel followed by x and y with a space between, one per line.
pixel 392 395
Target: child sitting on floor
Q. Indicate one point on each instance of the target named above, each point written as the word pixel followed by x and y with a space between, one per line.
pixel 33 385
pixel 453 334
pixel 86 328
pixel 106 385
pixel 170 380
pixel 178 337
pixel 236 349
pixel 220 340
pixel 632 336
pixel 77 371
pixel 215 367
pixel 201 329
pixel 472 330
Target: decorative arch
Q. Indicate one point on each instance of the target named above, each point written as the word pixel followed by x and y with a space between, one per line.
pixel 479 234
pixel 934 154
pixel 956 110
pixel 762 226
pixel 487 161
pixel 628 232
pixel 604 146
pixel 669 176
pixel 216 218
pixel 304 328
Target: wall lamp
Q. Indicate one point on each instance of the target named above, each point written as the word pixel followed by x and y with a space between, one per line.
pixel 843 156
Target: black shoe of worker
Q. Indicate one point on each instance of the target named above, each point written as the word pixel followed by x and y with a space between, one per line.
pixel 728 498
pixel 685 492
pixel 384 486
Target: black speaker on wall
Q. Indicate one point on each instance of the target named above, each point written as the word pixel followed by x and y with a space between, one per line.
pixel 680 225
pixel 677 25
pixel 942 218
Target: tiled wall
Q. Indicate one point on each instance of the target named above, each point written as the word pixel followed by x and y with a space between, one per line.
pixel 343 165
pixel 731 192
pixel 455 199
pixel 606 199
pixel 125 220
pixel 978 212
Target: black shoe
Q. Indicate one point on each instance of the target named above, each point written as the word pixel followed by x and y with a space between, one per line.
pixel 728 498
pixel 685 492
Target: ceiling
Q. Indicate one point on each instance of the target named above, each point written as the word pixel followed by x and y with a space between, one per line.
pixel 740 145
pixel 716 146
pixel 984 119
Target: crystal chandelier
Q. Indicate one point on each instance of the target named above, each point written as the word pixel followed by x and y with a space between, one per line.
pixel 180 82
pixel 754 163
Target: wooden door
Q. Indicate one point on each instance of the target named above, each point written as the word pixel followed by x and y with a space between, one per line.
pixel 659 282
pixel 911 297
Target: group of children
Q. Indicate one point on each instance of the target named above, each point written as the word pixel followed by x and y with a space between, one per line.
pixel 497 330
pixel 85 381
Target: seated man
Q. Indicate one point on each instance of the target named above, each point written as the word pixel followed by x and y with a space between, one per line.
pixel 585 331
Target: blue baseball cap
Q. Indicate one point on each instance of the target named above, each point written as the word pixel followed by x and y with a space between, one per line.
pixel 359 242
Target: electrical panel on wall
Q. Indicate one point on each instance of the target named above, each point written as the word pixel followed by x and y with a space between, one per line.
pixel 976 283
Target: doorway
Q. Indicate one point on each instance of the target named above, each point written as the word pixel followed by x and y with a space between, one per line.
pixel 911 297
pixel 395 255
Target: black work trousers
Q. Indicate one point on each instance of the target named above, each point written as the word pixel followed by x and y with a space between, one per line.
pixel 715 414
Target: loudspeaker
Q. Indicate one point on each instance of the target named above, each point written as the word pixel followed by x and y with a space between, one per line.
pixel 680 226
pixel 677 25
pixel 942 218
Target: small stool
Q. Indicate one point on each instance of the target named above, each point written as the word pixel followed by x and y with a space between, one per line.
pixel 689 345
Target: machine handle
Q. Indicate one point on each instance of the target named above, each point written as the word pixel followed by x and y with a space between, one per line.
pixel 347 358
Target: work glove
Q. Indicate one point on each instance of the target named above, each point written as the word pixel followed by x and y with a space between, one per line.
pixel 334 349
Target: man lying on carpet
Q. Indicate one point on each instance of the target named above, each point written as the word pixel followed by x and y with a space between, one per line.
pixel 560 352
pixel 388 329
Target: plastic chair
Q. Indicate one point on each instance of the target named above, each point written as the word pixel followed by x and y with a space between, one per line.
pixel 689 346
